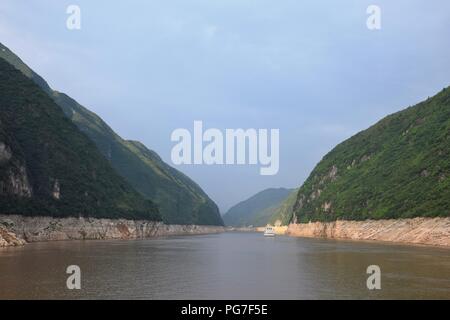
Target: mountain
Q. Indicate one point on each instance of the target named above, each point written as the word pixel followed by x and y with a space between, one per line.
pixel 256 210
pixel 283 213
pixel 49 167
pixel 398 168
pixel 180 200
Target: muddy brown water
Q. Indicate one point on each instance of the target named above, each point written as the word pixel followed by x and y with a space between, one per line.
pixel 224 266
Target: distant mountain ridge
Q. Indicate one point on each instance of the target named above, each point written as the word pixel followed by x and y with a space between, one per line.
pixel 258 209
pixel 398 168
pixel 180 200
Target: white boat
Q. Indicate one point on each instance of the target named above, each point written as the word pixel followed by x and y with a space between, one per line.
pixel 269 232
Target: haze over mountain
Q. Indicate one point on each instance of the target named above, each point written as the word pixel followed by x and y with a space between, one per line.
pixel 398 168
pixel 180 200
pixel 48 167
pixel 258 209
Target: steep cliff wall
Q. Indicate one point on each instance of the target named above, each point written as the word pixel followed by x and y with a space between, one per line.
pixel 429 231
pixel 16 229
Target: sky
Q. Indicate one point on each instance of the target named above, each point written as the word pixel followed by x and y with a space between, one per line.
pixel 312 69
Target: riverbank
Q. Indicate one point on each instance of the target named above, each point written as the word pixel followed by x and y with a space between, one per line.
pixel 426 231
pixel 17 230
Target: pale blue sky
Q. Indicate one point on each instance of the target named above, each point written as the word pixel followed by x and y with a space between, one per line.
pixel 310 68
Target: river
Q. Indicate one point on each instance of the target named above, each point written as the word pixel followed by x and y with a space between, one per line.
pixel 224 266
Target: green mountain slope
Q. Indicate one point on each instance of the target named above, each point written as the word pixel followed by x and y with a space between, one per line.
pixel 180 200
pixel 398 168
pixel 48 167
pixel 283 213
pixel 256 210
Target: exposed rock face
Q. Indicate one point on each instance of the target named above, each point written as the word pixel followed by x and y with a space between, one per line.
pixel 430 231
pixel 16 181
pixel 19 184
pixel 5 153
pixel 33 229
pixel 8 239
pixel 56 190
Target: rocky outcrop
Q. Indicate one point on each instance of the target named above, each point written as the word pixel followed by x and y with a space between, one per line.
pixel 31 229
pixel 429 231
pixel 15 180
pixel 8 239
pixel 18 183
pixel 5 153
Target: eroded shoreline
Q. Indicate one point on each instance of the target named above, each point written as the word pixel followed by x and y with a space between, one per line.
pixel 419 231
pixel 17 230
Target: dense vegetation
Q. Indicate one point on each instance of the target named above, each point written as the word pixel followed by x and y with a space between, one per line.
pixel 48 167
pixel 398 168
pixel 258 209
pixel 180 200
pixel 282 215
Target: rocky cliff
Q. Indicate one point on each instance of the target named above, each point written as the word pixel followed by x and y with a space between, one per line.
pixel 8 238
pixel 429 231
pixel 18 229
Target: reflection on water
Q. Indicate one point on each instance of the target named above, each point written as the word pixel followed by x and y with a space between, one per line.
pixel 224 266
